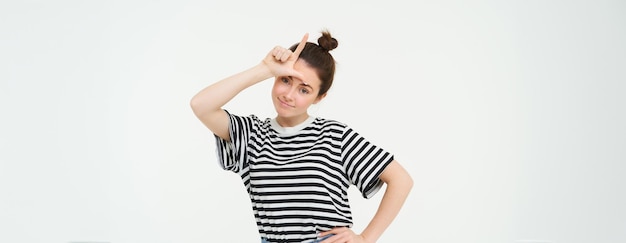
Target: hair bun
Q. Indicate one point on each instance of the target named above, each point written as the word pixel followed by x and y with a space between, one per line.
pixel 327 42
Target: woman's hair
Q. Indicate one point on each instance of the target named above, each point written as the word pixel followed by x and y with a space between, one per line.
pixel 318 57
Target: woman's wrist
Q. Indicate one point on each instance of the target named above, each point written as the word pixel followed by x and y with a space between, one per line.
pixel 263 71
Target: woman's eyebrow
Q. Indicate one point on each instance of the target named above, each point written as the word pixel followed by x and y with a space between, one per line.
pixel 301 81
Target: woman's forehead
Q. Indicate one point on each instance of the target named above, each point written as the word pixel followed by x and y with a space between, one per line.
pixel 309 73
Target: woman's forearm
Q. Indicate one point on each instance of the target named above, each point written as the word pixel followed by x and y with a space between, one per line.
pixel 399 184
pixel 215 96
pixel 207 104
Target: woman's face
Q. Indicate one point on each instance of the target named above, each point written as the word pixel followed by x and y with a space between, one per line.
pixel 292 96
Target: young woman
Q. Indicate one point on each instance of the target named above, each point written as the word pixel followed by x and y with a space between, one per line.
pixel 295 167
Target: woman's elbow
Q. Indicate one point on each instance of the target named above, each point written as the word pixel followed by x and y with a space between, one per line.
pixel 409 182
pixel 196 105
pixel 406 181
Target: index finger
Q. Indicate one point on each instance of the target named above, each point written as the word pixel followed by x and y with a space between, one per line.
pixel 300 46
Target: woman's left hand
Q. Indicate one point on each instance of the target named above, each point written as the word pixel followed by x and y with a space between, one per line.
pixel 342 235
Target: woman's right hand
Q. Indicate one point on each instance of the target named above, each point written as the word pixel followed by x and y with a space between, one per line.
pixel 280 60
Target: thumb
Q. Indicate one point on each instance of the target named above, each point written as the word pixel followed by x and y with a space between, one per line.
pixel 301 45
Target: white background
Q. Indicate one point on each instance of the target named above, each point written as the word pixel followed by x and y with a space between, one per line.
pixel 509 115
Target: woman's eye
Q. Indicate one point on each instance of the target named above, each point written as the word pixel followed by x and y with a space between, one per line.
pixel 304 91
pixel 285 80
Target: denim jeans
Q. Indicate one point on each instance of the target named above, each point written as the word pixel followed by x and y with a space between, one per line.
pixel 263 240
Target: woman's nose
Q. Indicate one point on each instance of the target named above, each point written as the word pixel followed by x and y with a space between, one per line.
pixel 291 92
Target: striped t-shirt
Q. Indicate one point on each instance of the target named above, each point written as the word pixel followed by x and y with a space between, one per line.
pixel 298 177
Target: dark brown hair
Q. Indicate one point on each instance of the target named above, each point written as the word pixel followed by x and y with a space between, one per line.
pixel 318 57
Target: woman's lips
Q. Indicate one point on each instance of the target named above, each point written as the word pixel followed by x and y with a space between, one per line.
pixel 285 103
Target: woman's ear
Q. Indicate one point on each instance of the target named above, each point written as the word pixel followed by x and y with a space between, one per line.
pixel 319 98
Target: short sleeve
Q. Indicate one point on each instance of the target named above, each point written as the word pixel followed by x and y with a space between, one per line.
pixel 364 162
pixel 231 154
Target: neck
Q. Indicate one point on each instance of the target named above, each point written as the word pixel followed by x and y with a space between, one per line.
pixel 291 121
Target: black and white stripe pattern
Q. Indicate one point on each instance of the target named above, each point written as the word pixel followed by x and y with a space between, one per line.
pixel 298 180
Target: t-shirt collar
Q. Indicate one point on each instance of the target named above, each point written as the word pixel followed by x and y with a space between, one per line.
pixel 290 130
